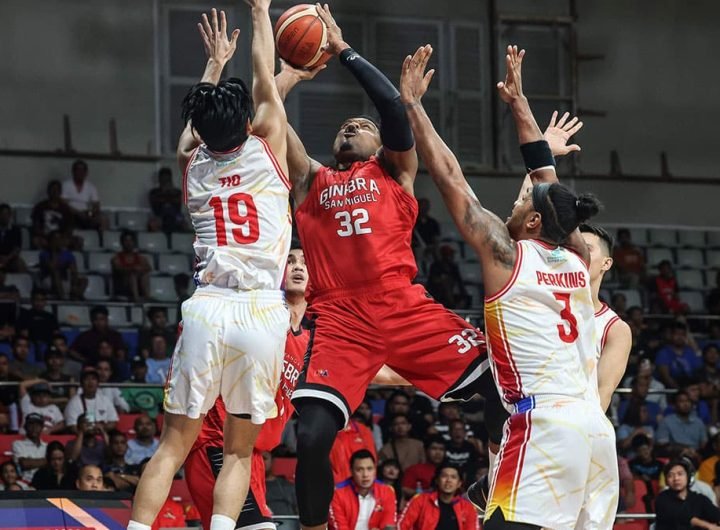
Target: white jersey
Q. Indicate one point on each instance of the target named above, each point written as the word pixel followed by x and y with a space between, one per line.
pixel 240 209
pixel 540 327
pixel 604 320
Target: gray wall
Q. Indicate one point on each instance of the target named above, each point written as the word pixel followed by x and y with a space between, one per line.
pixel 96 59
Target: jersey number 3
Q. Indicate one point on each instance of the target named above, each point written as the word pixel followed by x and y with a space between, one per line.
pixel 570 334
pixel 248 227
pixel 352 222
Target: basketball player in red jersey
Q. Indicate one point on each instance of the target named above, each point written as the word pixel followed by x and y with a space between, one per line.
pixel 355 221
pixel 206 457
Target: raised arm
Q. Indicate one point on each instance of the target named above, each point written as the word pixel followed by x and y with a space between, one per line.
pixel 219 49
pixel 270 120
pixel 535 149
pixel 482 229
pixel 398 153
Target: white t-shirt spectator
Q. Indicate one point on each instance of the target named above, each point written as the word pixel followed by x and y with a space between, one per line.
pixel 100 406
pixel 79 199
pixel 114 395
pixel 51 413
pixel 137 452
pixel 27 449
pixel 24 486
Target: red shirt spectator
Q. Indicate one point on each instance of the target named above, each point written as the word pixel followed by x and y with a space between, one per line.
pixel 666 288
pixel 361 502
pixel 421 476
pixel 352 438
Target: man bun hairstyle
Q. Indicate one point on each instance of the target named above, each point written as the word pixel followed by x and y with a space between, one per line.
pixel 561 210
pixel 219 113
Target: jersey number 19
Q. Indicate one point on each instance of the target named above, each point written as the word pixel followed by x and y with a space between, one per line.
pixel 242 213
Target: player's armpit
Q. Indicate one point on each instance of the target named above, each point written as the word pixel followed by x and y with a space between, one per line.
pixel 186 146
pixel 402 166
pixel 613 360
pixel 301 168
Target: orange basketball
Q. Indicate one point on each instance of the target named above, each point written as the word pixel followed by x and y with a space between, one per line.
pixel 299 36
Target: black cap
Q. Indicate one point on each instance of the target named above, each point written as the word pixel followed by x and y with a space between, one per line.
pixel 52 351
pixel 34 417
pixel 39 388
pixel 137 361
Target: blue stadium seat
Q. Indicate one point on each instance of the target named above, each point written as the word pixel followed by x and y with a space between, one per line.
pixel 471 272
pixel 713 259
pixel 131 338
pixel 639 236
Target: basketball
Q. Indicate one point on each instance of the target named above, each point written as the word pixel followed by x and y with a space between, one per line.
pixel 300 35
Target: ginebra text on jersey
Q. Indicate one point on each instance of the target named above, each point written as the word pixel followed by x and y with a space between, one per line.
pixel 354 191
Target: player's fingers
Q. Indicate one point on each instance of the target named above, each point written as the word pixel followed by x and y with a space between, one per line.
pixel 206 25
pixel 521 55
pixel 563 118
pixel 223 23
pixel 204 36
pixel 214 14
pixel 569 125
pixel 500 85
pixel 574 147
pixel 234 37
pixel 428 77
pixel 575 129
pixel 552 119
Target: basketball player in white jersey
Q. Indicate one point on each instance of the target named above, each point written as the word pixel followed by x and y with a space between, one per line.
pixel 234 326
pixel 539 317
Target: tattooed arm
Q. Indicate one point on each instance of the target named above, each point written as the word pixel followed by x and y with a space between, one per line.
pixel 482 229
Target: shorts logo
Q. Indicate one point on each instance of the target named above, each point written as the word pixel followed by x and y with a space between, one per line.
pixel 321 373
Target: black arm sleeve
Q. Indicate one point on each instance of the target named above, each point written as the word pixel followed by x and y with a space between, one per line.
pixel 394 125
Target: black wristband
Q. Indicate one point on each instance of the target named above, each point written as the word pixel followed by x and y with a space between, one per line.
pixel 537 155
pixel 344 56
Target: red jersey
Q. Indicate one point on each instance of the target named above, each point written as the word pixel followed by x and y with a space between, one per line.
pixel 212 428
pixel 356 227
pixel 353 437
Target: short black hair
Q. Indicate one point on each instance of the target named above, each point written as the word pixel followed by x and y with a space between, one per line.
pixel 51 184
pixel 601 233
pixel 156 309
pixel 165 171
pixel 361 455
pixel 434 439
pixel 59 336
pixel 98 310
pixel 295 244
pixel 79 162
pixel 219 113
pixel 128 233
pixel 679 393
pixel 447 464
pixel 682 462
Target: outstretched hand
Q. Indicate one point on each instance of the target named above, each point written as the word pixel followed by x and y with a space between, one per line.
pixel 414 81
pixel 302 74
pixel 511 88
pixel 559 132
pixel 214 35
pixel 335 43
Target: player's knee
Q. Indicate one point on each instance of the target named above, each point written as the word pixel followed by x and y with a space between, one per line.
pixel 318 424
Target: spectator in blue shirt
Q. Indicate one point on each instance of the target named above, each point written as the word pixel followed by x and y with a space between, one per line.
pixel 58 270
pixel 158 364
pixel 700 407
pixel 677 362
pixel 682 429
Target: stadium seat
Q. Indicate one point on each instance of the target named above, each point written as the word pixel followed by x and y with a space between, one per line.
pixel 79 261
pixel 150 259
pixel 22 281
pixel 632 297
pixel 111 240
pixel 152 242
pixel 713 239
pixel 173 263
pixel 690 279
pixel 6 441
pixel 182 242
pixel 91 239
pixel 691 258
pixel 100 262
pixel 126 422
pixel 137 316
pixel 713 259
pixel 663 237
pixel 285 467
pixel 132 220
pixel 656 255
pixel 638 236
pixel 23 215
pixel 73 315
pixel 118 317
pixel 691 238
pixel 694 300
pixel 471 272
pixel 130 338
pixel 96 288
pixel 31 258
pixel 172 315
pixel 162 289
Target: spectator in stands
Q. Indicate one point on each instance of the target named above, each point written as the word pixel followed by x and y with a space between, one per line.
pixel 700 407
pixel 123 475
pixel 419 478
pixel 445 282
pixel 629 260
pixel 82 197
pixel 98 409
pixel 655 388
pixel 707 469
pixel 131 270
pixel 443 508
pixel 713 299
pixel 397 403
pixel 627 485
pixel 158 364
pixel 86 345
pixel 55 474
pixel 21 367
pixel 677 507
pixel 682 429
pixel 389 473
pixel 37 323
pixel 408 451
pixel 646 340
pixel 447 412
pixel 10 476
pixel 144 445
pixel 618 302
pixel 354 437
pixel 459 451
pixel 29 453
pixel 645 466
pixel 54 373
pixel 10 242
pixel 639 398
pixel 157 316
pixel 678 361
pixel 71 364
pixel 50 215
pixel 364 414
pixel 90 478
pixel 426 234
pixel 35 398
pixel 9 303
pixel 665 289
pixel 58 270
pixel 709 374
pixel 361 502
pixel 636 422
pixel 88 447
pixel 279 492
pixel 8 394
pixel 113 394
pixel 166 205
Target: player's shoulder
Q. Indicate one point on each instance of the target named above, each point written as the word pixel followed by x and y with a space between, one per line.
pixel 618 329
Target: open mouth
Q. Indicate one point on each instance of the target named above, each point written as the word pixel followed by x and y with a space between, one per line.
pixel 297 278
